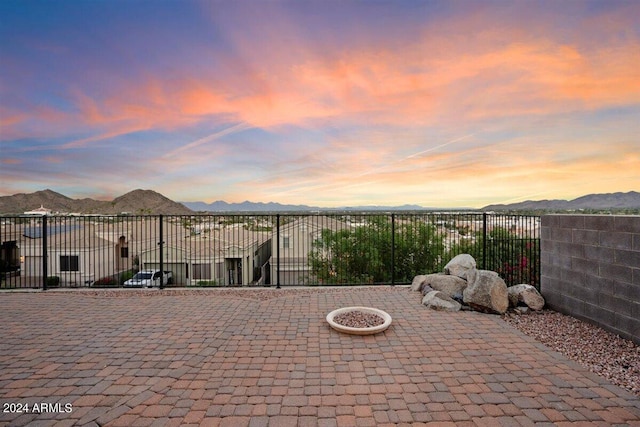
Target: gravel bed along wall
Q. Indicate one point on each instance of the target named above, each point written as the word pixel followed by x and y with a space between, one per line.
pixel 600 351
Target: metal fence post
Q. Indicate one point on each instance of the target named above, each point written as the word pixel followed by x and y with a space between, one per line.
pixel 484 240
pixel 393 249
pixel 45 271
pixel 277 251
pixel 161 254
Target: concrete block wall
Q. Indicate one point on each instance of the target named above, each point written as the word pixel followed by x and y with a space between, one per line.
pixel 590 269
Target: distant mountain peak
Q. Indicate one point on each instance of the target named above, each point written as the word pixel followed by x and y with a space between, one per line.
pixel 619 200
pixel 135 202
pixel 247 206
pixel 144 201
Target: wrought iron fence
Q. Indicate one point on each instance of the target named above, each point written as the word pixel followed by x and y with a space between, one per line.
pixel 336 248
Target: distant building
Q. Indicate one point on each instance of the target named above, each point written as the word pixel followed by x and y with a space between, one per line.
pixel 42 211
pixel 74 254
pixel 294 244
pixel 232 256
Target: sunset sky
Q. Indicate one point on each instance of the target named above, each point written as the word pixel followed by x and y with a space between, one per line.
pixel 326 103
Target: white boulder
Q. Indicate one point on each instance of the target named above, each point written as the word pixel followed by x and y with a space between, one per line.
pixel 460 265
pixel 437 300
pixel 450 285
pixel 486 291
pixel 418 282
pixel 526 294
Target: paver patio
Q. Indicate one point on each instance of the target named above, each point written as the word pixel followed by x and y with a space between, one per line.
pixel 268 358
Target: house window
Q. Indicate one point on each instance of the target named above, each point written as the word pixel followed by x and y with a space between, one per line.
pixel 285 242
pixel 124 252
pixel 69 263
pixel 201 271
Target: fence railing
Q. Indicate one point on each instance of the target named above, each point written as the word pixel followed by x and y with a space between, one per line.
pixel 246 249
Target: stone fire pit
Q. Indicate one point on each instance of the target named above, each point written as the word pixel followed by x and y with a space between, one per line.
pixel 361 320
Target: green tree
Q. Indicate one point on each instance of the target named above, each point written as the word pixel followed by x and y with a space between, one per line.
pixel 364 254
pixel 419 249
pixel 337 258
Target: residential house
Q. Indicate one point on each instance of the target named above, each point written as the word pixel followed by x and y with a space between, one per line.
pixel 75 253
pixel 290 252
pixel 230 255
pixel 10 235
pixel 132 236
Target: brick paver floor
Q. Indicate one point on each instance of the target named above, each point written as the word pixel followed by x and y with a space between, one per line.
pixel 268 358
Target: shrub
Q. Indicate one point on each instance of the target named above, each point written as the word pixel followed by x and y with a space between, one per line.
pixel 53 281
pixel 124 276
pixel 205 283
pixel 105 282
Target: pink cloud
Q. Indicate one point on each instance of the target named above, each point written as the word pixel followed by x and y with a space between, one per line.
pixel 10 161
pixel 396 88
pixel 461 70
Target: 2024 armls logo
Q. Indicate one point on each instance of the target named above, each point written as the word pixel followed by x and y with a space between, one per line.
pixel 37 408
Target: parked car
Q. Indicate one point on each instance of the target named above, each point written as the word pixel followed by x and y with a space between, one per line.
pixel 148 279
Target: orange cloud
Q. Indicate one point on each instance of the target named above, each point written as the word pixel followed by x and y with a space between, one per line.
pixel 10 161
pixel 475 168
pixel 10 118
pixel 511 80
pixel 444 77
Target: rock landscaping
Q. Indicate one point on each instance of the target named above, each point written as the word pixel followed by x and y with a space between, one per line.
pixel 464 287
pixel 602 352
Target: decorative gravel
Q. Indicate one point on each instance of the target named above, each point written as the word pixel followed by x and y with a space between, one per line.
pixel 253 293
pixel 600 351
pixel 358 319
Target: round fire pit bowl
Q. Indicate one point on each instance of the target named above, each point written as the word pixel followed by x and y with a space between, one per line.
pixel 369 330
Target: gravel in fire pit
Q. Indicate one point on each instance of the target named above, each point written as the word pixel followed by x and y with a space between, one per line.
pixel 358 319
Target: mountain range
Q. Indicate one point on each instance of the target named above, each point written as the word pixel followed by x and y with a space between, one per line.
pixel 630 200
pixel 247 206
pixel 151 202
pixel 134 202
